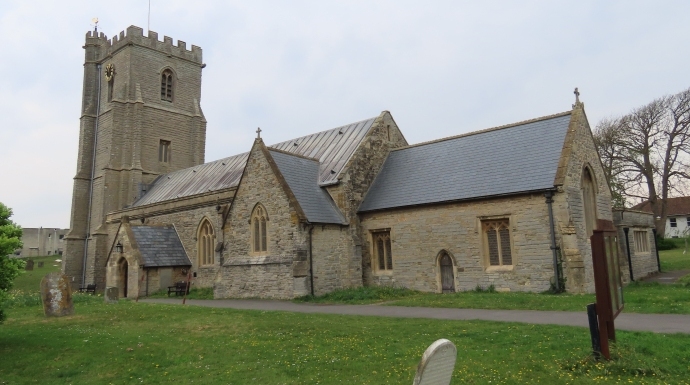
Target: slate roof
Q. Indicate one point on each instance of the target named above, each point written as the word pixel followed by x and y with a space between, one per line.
pixel 506 160
pixel 333 148
pixel 160 246
pixel 302 176
pixel 674 206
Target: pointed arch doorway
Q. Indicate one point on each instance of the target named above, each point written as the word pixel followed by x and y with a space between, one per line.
pixel 123 276
pixel 447 275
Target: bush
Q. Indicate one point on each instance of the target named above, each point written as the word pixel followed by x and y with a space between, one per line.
pixel 360 294
pixel 665 243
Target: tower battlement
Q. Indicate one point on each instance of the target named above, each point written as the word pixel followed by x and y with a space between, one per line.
pixel 135 35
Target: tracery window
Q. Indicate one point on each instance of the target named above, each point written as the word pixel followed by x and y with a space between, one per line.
pixel 167 85
pixel 497 242
pixel 383 255
pixel 259 230
pixel 589 200
pixel 206 240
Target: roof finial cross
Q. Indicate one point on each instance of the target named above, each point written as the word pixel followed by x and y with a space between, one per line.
pixel 577 96
pixel 258 133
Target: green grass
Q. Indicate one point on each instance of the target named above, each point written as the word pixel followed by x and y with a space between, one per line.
pixel 30 281
pixel 361 295
pixel 639 297
pixel 674 259
pixel 145 343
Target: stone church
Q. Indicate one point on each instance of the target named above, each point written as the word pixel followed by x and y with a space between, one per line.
pixel 511 206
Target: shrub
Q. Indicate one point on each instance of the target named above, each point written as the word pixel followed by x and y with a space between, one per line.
pixel 665 243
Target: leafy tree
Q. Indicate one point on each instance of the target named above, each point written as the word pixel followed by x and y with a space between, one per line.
pixel 646 153
pixel 10 240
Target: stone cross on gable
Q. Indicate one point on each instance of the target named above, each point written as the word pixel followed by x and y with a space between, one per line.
pixel 258 133
pixel 577 95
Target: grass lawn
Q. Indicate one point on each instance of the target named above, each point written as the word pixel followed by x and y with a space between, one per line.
pixel 674 259
pixel 145 343
pixel 639 297
pixel 29 281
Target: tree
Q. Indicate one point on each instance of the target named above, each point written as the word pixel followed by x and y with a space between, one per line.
pixel 646 152
pixel 10 240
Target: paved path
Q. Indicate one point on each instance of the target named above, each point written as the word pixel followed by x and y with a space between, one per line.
pixel 666 276
pixel 659 323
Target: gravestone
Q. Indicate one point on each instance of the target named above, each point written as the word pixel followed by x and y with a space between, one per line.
pixel 40 264
pixel 112 294
pixel 29 265
pixel 56 294
pixel 437 364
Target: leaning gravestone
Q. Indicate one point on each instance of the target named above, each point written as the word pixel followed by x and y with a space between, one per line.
pixel 438 362
pixel 29 265
pixel 112 294
pixel 56 294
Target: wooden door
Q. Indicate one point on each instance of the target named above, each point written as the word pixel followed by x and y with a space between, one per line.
pixel 447 276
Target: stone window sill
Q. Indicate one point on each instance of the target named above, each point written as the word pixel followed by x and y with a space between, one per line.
pixel 498 269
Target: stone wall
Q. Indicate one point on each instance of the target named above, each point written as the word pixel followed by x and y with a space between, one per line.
pixel 132 119
pixel 332 258
pixel 355 180
pixel 267 274
pixel 578 152
pixel 187 226
pixel 41 241
pixel 419 235
pixel 644 263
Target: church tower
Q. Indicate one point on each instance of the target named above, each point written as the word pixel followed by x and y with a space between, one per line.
pixel 140 118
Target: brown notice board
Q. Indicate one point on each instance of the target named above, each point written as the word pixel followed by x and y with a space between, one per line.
pixel 607 281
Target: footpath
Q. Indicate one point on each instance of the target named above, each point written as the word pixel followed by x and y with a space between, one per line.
pixel 658 323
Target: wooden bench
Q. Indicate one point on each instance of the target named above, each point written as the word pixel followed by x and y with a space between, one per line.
pixel 89 289
pixel 178 288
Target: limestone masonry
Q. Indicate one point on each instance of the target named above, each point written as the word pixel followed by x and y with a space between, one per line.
pixel 350 206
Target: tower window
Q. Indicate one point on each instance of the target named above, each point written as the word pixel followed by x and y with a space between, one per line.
pixel 167 86
pixel 164 151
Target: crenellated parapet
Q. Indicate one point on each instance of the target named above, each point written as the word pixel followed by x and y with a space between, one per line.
pixel 135 36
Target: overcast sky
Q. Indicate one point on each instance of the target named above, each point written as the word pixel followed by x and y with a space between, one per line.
pixel 295 67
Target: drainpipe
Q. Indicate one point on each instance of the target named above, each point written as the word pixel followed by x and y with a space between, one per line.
pixel 627 247
pixel 93 172
pixel 311 265
pixel 656 247
pixel 549 200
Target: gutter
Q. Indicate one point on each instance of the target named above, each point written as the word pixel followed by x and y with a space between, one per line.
pixel 549 201
pixel 311 264
pixel 627 248
pixel 93 173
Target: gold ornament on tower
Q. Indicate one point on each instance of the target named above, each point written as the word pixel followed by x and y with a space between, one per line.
pixel 109 72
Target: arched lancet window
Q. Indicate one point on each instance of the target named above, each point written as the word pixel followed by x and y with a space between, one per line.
pixel 167 85
pixel 445 264
pixel 589 199
pixel 259 236
pixel 206 240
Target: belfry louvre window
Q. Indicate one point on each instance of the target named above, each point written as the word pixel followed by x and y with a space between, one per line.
pixel 641 241
pixel 259 241
pixel 167 86
pixel 164 151
pixel 382 250
pixel 206 240
pixel 497 242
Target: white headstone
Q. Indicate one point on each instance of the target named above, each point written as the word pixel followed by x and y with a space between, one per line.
pixel 438 362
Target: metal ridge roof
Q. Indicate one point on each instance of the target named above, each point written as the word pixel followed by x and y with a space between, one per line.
pixel 333 148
